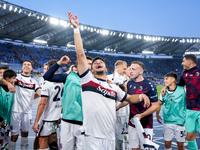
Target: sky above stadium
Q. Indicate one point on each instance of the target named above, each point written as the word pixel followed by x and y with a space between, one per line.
pixel 177 18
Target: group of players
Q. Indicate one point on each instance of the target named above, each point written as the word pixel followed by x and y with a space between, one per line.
pixel 95 108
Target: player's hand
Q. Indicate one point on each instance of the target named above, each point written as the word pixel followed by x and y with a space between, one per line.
pixel 59 121
pixel 163 90
pixel 139 116
pixel 159 119
pixel 35 127
pixel 11 88
pixel 146 100
pixel 74 21
pixel 64 60
pixel 117 107
pixel 109 81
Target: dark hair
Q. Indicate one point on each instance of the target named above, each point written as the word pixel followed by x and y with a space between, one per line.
pixel 51 62
pixel 28 61
pixel 89 58
pixel 172 74
pixel 191 57
pixel 4 67
pixel 139 63
pixel 9 73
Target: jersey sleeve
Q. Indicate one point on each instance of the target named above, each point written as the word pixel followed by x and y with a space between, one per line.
pixel 50 76
pixel 36 85
pixel 86 77
pixel 121 95
pixel 161 98
pixel 152 93
pixel 45 89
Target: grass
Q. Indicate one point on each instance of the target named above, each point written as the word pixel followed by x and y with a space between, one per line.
pixel 159 89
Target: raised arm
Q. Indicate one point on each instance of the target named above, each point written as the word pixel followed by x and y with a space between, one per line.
pixel 82 61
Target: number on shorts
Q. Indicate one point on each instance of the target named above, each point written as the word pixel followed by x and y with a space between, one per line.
pixel 56 96
pixel 183 133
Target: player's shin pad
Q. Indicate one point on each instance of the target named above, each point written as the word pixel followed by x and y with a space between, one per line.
pixel 148 144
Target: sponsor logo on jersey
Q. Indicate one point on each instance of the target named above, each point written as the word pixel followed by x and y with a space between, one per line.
pixel 106 92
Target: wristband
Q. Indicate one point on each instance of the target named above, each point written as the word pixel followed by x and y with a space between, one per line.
pixel 140 96
pixel 76 30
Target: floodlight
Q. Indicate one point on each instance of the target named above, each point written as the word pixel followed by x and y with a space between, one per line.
pixel 105 32
pixel 63 23
pixel 70 45
pixel 40 41
pixel 147 52
pixel 10 8
pixel 42 17
pixel 29 14
pixel 46 19
pixel 54 21
pixel 15 9
pixel 120 34
pixel 20 10
pixel 82 28
pixel 91 29
pixel 4 6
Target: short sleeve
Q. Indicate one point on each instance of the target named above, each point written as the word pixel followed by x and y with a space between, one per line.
pixel 86 77
pixel 152 93
pixel 121 95
pixel 45 89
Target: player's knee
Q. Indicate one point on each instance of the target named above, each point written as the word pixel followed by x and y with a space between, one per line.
pixel 167 144
pixel 53 146
pixel 190 137
pixel 14 138
pixel 180 145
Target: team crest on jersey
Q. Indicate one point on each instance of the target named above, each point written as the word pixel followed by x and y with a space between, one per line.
pixel 186 74
pixel 171 100
pixel 31 81
pixel 134 87
pixel 197 74
pixel 140 88
pixel 130 86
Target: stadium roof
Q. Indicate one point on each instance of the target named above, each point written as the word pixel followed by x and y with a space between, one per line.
pixel 22 24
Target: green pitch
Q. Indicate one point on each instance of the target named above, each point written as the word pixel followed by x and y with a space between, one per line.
pixel 158 89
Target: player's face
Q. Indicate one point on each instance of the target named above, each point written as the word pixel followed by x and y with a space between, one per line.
pixel 169 81
pixel 135 71
pixel 121 69
pixel 1 72
pixel 45 69
pixel 11 80
pixel 89 64
pixel 128 71
pixel 27 67
pixel 99 67
pixel 74 69
pixel 186 64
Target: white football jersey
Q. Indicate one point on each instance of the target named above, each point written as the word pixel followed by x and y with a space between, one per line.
pixel 99 108
pixel 124 111
pixel 53 107
pixel 25 86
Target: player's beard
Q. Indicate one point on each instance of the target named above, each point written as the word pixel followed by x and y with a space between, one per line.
pixel 102 72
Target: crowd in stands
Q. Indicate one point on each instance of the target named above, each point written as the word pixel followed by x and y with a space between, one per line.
pixel 15 54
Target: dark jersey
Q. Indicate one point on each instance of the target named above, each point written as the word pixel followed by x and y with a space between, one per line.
pixel 191 78
pixel 143 87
